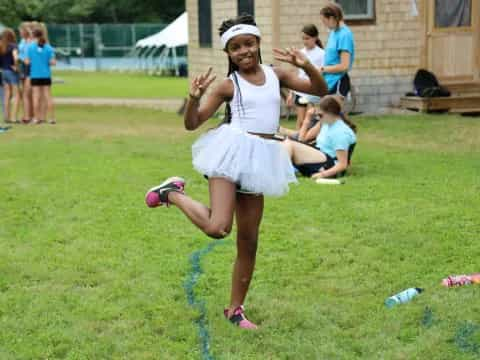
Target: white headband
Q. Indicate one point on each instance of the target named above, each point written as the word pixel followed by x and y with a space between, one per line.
pixel 241 29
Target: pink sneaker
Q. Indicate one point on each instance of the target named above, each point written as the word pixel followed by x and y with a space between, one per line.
pixel 158 195
pixel 238 318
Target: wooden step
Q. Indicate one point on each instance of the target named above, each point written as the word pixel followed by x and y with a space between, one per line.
pixel 455 103
pixel 464 89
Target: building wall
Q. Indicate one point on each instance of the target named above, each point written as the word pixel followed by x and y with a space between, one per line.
pixel 387 53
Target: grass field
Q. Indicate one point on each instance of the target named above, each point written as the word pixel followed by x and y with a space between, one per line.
pixel 87 271
pixel 118 85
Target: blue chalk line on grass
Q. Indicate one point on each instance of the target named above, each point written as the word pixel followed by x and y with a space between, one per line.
pixel 199 305
pixel 465 338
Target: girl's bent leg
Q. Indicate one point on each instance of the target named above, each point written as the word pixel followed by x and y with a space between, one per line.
pixel 249 211
pixel 303 154
pixel 215 221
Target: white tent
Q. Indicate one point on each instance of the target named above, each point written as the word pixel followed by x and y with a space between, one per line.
pixel 175 34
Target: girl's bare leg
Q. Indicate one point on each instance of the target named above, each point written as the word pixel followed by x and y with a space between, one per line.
pixel 30 99
pixel 6 101
pixel 50 108
pixel 217 220
pixel 16 94
pixel 27 95
pixel 301 110
pixel 36 95
pixel 249 211
pixel 43 102
pixel 303 154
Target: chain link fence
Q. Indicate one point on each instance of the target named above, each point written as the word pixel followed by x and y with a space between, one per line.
pixel 95 47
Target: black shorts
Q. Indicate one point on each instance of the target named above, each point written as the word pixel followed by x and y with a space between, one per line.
pixel 41 82
pixel 312 168
pixel 298 103
pixel 342 87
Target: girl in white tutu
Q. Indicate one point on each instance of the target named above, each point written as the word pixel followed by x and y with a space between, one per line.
pixel 241 158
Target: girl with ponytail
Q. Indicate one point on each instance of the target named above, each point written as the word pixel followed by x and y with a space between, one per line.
pixel 336 139
pixel 40 57
pixel 339 52
pixel 241 158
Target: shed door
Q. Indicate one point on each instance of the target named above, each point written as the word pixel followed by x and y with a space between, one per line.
pixel 453 40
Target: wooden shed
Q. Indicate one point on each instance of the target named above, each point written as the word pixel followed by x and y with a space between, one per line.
pixel 394 38
pixel 451 50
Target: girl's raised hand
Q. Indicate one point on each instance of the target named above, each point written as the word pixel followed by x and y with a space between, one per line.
pixel 292 56
pixel 201 83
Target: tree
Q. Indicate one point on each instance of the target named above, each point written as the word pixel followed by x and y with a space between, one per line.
pixel 90 11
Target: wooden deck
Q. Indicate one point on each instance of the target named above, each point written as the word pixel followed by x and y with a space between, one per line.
pixel 457 103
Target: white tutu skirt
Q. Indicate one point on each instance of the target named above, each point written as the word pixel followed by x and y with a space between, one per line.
pixel 255 164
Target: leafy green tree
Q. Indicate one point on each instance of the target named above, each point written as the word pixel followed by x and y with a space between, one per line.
pixel 89 11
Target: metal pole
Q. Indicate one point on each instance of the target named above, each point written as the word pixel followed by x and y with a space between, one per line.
pixel 175 61
pixel 97 41
pixel 82 55
pixel 69 40
pixel 134 39
pixel 134 34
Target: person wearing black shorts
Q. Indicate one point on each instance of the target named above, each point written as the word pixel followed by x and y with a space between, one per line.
pixel 40 56
pixel 330 155
pixel 342 86
pixel 339 52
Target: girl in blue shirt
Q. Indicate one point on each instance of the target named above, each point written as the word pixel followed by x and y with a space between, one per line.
pixel 40 57
pixel 339 52
pixel 26 39
pixel 330 156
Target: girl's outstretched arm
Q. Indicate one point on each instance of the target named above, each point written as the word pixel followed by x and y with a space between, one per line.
pixel 315 85
pixel 196 114
pixel 341 165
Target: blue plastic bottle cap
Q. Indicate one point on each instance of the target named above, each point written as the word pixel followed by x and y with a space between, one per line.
pixel 390 302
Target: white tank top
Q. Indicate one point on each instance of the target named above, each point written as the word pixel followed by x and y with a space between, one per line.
pixel 256 108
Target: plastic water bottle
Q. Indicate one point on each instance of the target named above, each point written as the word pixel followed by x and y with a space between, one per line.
pixel 460 280
pixel 402 297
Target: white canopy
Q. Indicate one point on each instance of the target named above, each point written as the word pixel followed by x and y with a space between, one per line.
pixel 175 34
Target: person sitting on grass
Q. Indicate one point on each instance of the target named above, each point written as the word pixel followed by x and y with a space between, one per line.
pixel 336 139
pixel 308 132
